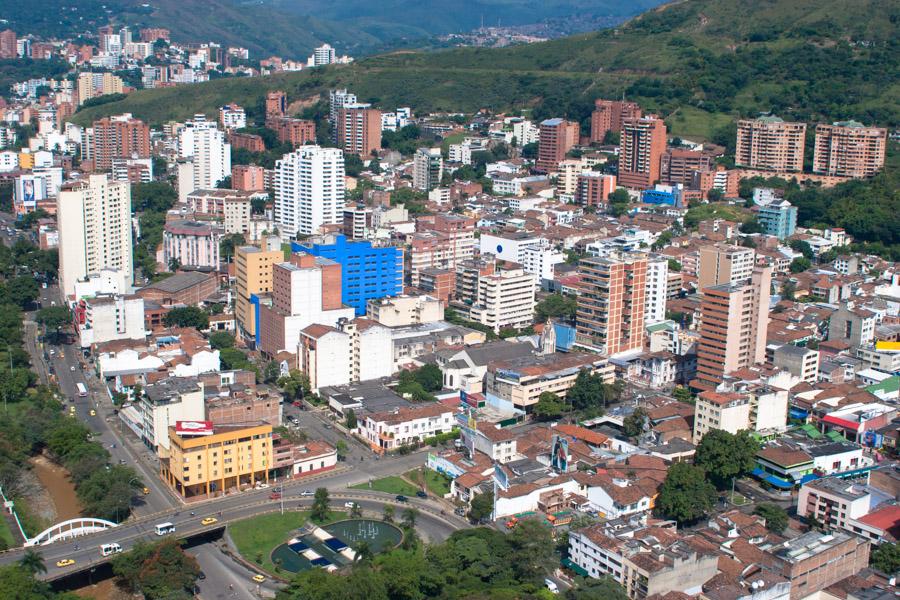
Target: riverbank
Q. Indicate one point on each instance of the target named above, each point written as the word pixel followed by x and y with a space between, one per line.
pixel 59 491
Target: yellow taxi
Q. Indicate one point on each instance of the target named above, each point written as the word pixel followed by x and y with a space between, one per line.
pixel 258 578
pixel 146 491
pixel 209 521
pixel 93 413
pixel 65 562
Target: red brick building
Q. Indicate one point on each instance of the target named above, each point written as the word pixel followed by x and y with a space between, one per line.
pixel 555 138
pixel 120 136
pixel 359 130
pixel 609 115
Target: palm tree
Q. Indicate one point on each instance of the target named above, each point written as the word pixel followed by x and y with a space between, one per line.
pixel 356 511
pixel 33 562
pixel 388 514
pixel 363 552
pixel 409 518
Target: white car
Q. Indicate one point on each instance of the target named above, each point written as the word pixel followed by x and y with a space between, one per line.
pixel 72 368
pixel 349 504
pixel 307 493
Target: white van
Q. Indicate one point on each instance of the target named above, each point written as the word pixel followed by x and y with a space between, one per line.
pixel 165 528
pixel 551 585
pixel 107 549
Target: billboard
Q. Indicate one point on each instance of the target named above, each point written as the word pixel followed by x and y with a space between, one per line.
pixel 193 428
pixel 500 477
pixel 559 454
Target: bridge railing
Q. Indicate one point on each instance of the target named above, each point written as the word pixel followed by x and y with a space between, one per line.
pixel 69 529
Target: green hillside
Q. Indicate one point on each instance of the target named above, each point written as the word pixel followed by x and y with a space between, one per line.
pixel 698 62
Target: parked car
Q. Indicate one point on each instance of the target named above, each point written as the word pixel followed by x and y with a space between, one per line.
pixel 401 498
pixel 421 494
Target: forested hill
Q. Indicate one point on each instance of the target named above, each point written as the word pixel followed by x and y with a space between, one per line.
pixel 699 62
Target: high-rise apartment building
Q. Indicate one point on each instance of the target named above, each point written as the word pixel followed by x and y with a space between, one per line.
pixel 450 239
pixel 678 165
pixel 323 55
pixel 611 307
pixel 253 277
pixel 778 218
pixel 120 136
pixel 657 289
pixel 309 190
pixel 609 115
pixel 90 85
pixel 248 178
pixel 276 104
pixel 94 223
pixel 204 144
pixel 593 188
pixel 359 129
pixel 724 263
pixel 770 143
pixel 555 138
pixel 8 44
pixel 428 167
pixel 849 149
pixel 642 144
pixel 734 320
pixel 232 116
pixel 495 293
pixel 338 99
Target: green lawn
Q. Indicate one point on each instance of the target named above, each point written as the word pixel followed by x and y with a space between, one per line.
pixel 260 535
pixel 390 485
pixel 436 483
pixel 738 499
pixel 6 535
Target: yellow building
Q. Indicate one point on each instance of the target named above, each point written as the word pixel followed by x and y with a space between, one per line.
pixel 253 275
pixel 232 457
pixel 26 161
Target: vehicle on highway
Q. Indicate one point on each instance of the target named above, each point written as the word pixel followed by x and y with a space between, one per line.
pixel 349 504
pixel 71 408
pixel 209 521
pixel 258 578
pixel 93 413
pixel 307 493
pixel 65 562
pixel 146 490
pixel 107 549
pixel 165 528
pixel 551 585
pixel 82 391
pixel 421 494
pixel 401 498
pixel 275 496
pixel 201 575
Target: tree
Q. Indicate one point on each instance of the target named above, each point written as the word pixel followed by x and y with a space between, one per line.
pixel 234 359
pixel 674 265
pixel 355 511
pixel 886 558
pixel 800 264
pixel 33 562
pixel 228 245
pixel 158 570
pixel 685 495
pixel 387 515
pixel 320 506
pixel 53 318
pixel 187 316
pixel 549 407
pixel 272 372
pixel 803 247
pixel 682 394
pixel 220 340
pixel 341 448
pixel 714 195
pixel 751 225
pixel 16 582
pixel 589 588
pixel 482 507
pixel 409 518
pixel 618 202
pixel 775 516
pixel 725 456
pixel 554 306
pixel 430 377
pixel 351 419
pixel 532 544
pixel 633 424
pixel 362 552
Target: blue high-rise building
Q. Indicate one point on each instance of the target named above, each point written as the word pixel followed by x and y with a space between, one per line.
pixel 778 218
pixel 366 272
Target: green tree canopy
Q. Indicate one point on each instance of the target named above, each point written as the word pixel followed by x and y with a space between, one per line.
pixel 321 505
pixel 554 306
pixel 220 340
pixel 775 516
pixel 158 570
pixel 187 316
pixel 686 495
pixel 886 558
pixel 725 455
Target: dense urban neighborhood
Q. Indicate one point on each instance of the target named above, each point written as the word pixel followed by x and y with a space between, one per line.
pixel 266 332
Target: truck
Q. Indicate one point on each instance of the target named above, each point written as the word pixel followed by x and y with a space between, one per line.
pixel 82 390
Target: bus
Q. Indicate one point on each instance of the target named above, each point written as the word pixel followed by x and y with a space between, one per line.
pixel 82 391
pixel 165 528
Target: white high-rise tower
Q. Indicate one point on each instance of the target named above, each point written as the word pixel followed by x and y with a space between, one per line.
pixel 309 190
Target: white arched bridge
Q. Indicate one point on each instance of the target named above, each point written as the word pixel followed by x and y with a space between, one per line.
pixel 69 529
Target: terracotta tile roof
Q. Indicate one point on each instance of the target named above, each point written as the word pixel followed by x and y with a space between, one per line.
pixel 784 457
pixel 583 433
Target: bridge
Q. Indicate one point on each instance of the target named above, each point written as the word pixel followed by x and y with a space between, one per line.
pixel 69 530
pixel 432 522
